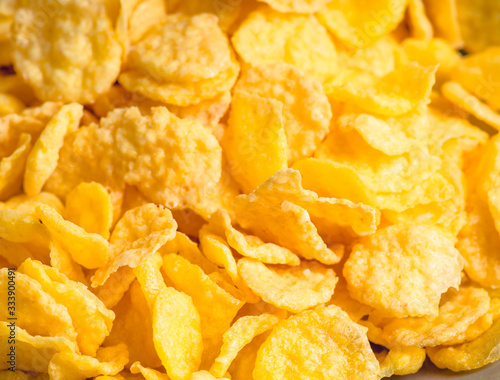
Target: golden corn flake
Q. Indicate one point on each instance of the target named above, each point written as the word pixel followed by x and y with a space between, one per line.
pixel 150 277
pixel 180 353
pixel 478 73
pixel 61 260
pixel 290 288
pixel 480 326
pixel 12 168
pixel 394 94
pixel 84 157
pixel 33 352
pixel 201 72
pixel 358 24
pixel 42 160
pixel 216 306
pixel 37 311
pixel 419 24
pixel 185 247
pixel 71 55
pixel 87 249
pixel 91 319
pixel 251 246
pixel 444 18
pixel 458 310
pixel 402 361
pixel 240 334
pixel 339 347
pixel 148 373
pixel 134 327
pixel 431 52
pixel 476 354
pixel 138 234
pixel 254 142
pixel 89 206
pixel 306 111
pixel 13 126
pixel 411 282
pixel 120 153
pixel 333 218
pixel 267 36
pixel 71 366
pixel 456 94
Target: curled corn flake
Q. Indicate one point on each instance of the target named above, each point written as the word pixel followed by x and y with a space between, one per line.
pixel 444 18
pixel 134 327
pixel 137 235
pixel 37 311
pixel 148 373
pixel 478 74
pixel 458 310
pixel 402 361
pixel 72 54
pixel 71 366
pixel 456 94
pixel 419 24
pixel 43 158
pixel 251 246
pixel 476 354
pixel 294 289
pixel 12 168
pixel 33 352
pixel 340 348
pixel 240 334
pixel 91 319
pixel 216 306
pixel 87 249
pixel 412 282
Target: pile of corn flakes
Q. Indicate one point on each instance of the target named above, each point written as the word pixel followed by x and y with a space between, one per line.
pixel 242 189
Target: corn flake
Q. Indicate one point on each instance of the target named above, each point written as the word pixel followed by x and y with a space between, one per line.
pixel 407 286
pixel 254 142
pixel 12 168
pixel 458 310
pixel 339 347
pixel 72 54
pixel 138 234
pixel 33 352
pixel 476 354
pixel 71 366
pixel 240 334
pixel 89 206
pixel 43 158
pixel 37 311
pixel 267 36
pixel 359 24
pixel 306 111
pixel 291 288
pixel 91 319
pixel 175 311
